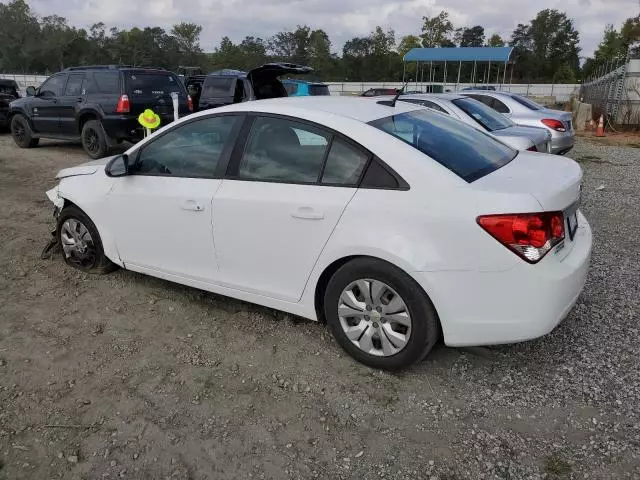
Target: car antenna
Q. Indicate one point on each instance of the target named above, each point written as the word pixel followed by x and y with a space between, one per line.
pixel 392 102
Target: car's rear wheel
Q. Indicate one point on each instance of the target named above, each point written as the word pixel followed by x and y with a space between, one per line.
pixel 22 133
pixel 379 314
pixel 80 242
pixel 94 139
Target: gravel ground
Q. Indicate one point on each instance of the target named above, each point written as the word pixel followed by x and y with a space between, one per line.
pixel 126 376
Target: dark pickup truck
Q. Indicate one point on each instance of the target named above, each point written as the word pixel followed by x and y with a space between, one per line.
pixel 8 93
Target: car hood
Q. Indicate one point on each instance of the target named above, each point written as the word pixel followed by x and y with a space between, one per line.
pixel 88 168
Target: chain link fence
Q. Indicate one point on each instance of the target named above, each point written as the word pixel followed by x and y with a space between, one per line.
pixel 614 91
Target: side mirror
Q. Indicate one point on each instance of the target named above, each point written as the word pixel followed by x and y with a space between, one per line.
pixel 118 166
pixel 31 91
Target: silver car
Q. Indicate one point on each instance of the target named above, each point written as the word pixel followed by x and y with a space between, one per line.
pixel 477 114
pixel 524 111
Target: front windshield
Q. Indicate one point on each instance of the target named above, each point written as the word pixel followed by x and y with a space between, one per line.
pixel 485 116
pixel 466 151
pixel 530 104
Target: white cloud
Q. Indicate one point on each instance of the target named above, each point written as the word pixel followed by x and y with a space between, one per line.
pixel 341 19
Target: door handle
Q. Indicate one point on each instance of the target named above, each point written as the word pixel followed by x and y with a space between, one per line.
pixel 307 213
pixel 193 206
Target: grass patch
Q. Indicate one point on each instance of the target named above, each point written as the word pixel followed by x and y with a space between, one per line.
pixel 557 466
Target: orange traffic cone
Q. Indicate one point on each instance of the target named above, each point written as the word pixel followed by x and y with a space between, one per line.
pixel 600 129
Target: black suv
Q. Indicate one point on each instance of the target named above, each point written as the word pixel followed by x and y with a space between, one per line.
pixel 225 87
pixel 97 105
pixel 8 93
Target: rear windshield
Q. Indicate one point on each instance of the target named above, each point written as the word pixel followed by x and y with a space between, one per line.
pixel 466 151
pixel 485 116
pixel 8 90
pixel 530 104
pixel 217 87
pixel 152 84
pixel 318 90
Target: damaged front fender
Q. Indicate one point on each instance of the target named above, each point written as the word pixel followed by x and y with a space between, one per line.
pixel 56 199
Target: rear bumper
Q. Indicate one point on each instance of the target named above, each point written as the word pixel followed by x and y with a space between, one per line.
pixel 126 127
pixel 561 144
pixel 526 302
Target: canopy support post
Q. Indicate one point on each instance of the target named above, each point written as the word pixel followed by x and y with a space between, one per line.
pixel 504 75
pixel 458 81
pixel 445 75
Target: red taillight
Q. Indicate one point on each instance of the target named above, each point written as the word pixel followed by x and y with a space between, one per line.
pixel 123 104
pixel 532 149
pixel 190 103
pixel 530 235
pixel 554 124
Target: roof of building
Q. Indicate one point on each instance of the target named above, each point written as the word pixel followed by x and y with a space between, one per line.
pixel 459 54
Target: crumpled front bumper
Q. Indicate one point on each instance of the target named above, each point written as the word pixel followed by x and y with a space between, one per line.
pixel 56 199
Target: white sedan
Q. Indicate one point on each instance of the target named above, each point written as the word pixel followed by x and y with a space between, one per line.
pixel 396 225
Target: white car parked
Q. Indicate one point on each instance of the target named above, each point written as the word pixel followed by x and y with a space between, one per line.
pixel 394 224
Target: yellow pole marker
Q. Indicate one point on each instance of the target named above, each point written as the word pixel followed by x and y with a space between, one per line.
pixel 149 120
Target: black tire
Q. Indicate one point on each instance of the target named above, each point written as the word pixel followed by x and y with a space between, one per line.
pixel 22 133
pixel 94 139
pixel 93 260
pixel 425 326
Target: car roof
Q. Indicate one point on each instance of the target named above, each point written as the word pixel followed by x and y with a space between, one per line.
pixel 8 82
pixel 357 108
pixel 431 96
pixel 490 93
pixel 115 68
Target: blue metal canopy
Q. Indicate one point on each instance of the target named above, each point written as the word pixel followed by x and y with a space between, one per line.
pixel 459 54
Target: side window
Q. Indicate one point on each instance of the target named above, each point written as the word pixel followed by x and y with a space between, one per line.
pixel 192 150
pixel 484 99
pixel 74 85
pixel 291 88
pixel 283 150
pixel 377 176
pixel 345 164
pixel 499 106
pixel 433 106
pixel 53 86
pixel 368 93
pixel 102 82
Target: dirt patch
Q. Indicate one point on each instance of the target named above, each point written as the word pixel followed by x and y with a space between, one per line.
pixel 127 376
pixel 626 139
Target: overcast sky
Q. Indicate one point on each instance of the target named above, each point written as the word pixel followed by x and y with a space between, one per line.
pixel 341 19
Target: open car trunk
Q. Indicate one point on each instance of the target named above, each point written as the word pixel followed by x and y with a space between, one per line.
pixel 265 81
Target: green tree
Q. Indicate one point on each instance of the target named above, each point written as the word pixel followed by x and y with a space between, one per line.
pixel 546 44
pixel 436 30
pixel 472 36
pixel 19 37
pixel 495 41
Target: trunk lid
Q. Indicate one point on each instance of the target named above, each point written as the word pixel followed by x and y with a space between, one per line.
pixel 265 82
pixel 540 137
pixel 554 181
pixel 565 117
